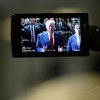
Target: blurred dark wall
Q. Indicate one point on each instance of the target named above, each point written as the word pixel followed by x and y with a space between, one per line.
pixel 17 74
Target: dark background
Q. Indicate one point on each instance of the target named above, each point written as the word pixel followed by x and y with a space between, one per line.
pixel 16 74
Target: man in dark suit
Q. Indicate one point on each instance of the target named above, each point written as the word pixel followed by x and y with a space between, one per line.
pixel 59 25
pixel 39 24
pixel 44 27
pixel 65 27
pixel 49 40
pixel 74 42
pixel 30 34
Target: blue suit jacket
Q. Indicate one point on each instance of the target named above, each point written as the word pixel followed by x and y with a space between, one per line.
pixel 72 43
pixel 43 40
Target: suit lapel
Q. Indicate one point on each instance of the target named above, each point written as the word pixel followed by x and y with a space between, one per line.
pixel 29 30
pixel 46 39
pixel 55 40
pixel 34 29
pixel 75 38
pixel 35 33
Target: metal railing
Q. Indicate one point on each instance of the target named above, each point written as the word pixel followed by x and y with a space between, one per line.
pixel 66 35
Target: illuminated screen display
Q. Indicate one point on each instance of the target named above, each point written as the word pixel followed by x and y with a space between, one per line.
pixel 50 34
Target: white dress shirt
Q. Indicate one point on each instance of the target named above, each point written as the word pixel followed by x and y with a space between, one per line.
pixel 33 32
pixel 52 36
pixel 78 40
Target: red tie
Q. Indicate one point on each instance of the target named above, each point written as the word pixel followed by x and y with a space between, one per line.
pixel 51 42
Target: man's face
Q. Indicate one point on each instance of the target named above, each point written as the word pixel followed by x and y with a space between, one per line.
pixel 67 20
pixel 50 28
pixel 32 21
pixel 60 20
pixel 38 21
pixel 77 29
pixel 22 20
pixel 65 23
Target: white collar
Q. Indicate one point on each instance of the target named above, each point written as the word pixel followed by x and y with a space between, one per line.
pixel 78 36
pixel 31 26
pixel 60 23
pixel 52 34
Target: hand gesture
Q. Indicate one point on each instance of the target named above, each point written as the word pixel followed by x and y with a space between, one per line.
pixel 44 49
pixel 60 49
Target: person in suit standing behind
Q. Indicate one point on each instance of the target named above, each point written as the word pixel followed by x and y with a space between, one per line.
pixel 49 40
pixel 44 22
pixel 69 24
pixel 59 25
pixel 30 34
pixel 65 27
pixel 74 42
pixel 39 24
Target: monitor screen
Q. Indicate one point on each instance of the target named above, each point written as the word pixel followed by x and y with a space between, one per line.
pixel 50 34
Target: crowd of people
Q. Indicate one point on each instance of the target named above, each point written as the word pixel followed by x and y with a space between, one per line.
pixel 61 24
pixel 46 36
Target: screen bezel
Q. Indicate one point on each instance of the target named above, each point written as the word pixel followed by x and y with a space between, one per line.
pixel 16 36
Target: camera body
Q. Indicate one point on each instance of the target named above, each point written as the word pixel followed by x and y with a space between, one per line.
pixel 31 35
pixel 94 33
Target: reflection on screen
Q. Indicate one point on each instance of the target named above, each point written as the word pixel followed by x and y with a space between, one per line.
pixel 50 34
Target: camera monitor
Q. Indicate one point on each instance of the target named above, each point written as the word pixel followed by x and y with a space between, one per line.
pixel 50 35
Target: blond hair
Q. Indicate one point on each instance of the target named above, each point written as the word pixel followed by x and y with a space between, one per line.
pixel 48 22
